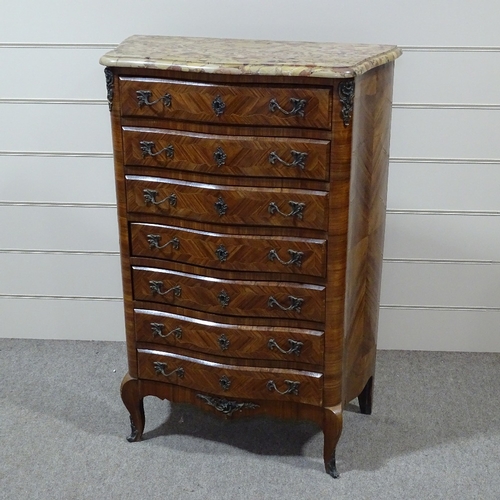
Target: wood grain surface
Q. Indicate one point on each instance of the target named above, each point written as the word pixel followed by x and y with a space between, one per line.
pixel 228 204
pixel 244 382
pixel 246 105
pixel 238 155
pixel 230 297
pixel 229 339
pixel 237 252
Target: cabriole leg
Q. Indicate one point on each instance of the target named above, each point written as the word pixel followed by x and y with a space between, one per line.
pixel 332 428
pixel 134 403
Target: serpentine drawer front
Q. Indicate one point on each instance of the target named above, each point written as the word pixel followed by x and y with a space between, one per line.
pixel 251 181
pixel 229 380
pixel 232 104
pixel 227 204
pixel 227 155
pixel 229 339
pixel 228 251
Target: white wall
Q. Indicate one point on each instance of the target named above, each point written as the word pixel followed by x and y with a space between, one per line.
pixel 58 244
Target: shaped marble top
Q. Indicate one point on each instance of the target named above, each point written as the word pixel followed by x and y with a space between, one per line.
pixel 249 57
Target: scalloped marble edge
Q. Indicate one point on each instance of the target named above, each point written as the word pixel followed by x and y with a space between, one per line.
pixel 239 57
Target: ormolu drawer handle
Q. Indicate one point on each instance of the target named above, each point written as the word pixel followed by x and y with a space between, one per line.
pixel 148 146
pixel 295 303
pixel 160 369
pixel 154 242
pixel 295 257
pixel 156 287
pixel 297 209
pixel 151 194
pixel 144 95
pixel 157 331
pixel 295 346
pixel 298 106
pixel 299 159
pixel 293 387
pixel 218 105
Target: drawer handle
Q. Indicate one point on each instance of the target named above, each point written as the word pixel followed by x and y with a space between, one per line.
pixel 223 342
pixel 295 257
pixel 151 194
pixel 295 346
pixel 297 209
pixel 156 288
pixel 225 383
pixel 226 407
pixel 299 159
pixel 144 95
pixel 295 303
pixel 218 105
pixel 220 157
pixel 148 146
pixel 223 298
pixel 160 369
pixel 293 387
pixel 154 242
pixel 157 331
pixel 220 206
pixel 222 253
pixel 298 106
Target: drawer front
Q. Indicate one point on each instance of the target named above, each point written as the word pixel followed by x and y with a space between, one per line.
pixel 230 252
pixel 227 204
pixel 230 380
pixel 231 104
pixel 235 341
pixel 227 155
pixel 230 297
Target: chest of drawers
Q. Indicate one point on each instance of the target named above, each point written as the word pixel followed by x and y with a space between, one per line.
pixel 251 182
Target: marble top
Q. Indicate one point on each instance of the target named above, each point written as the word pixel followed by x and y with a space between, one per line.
pixel 249 57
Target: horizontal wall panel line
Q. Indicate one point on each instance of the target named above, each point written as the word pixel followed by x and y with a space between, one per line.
pixel 464 213
pixel 44 204
pixel 42 45
pixel 24 251
pixel 465 262
pixel 86 102
pixel 447 161
pixel 398 105
pixel 450 48
pixel 110 46
pixel 57 154
pixel 439 308
pixel 392 211
pixel 394 159
pixel 437 105
pixel 61 297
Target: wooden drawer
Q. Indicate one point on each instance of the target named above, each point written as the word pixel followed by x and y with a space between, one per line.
pixel 227 204
pixel 227 155
pixel 244 105
pixel 235 341
pixel 229 251
pixel 230 297
pixel 229 380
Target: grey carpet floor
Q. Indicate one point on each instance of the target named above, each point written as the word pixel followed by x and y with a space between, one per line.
pixel 434 433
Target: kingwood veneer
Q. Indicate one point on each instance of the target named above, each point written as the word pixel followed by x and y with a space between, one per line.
pixel 251 181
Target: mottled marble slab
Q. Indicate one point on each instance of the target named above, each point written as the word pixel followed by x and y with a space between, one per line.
pixel 249 57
